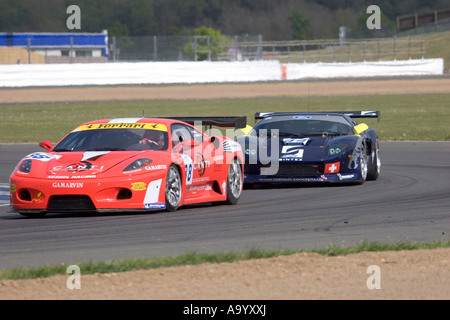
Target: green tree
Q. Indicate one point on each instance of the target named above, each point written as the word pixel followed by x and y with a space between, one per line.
pixel 299 25
pixel 215 39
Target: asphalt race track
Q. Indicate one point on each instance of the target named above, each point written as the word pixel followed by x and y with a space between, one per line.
pixel 410 202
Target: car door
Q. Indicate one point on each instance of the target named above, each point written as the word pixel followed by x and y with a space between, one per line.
pixel 197 157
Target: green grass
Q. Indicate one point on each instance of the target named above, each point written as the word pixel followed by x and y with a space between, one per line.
pixel 198 258
pixel 437 46
pixel 434 45
pixel 403 117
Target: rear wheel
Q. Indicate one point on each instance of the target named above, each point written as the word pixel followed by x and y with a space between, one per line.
pixel 173 188
pixel 234 182
pixel 374 165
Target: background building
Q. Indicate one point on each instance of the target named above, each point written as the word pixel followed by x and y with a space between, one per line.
pixel 53 47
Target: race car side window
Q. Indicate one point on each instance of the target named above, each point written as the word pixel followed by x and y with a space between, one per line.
pixel 180 133
pixel 198 136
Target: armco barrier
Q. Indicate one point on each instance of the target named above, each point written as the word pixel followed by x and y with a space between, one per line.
pixel 203 72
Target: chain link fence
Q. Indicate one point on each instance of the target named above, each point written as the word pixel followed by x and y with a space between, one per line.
pixel 254 48
pixel 224 48
pixel 194 48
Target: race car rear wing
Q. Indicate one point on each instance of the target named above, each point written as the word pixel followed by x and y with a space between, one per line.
pixel 351 114
pixel 236 122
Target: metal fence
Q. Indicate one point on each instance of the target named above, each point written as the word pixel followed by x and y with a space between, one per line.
pixel 237 48
pixel 185 48
pixel 350 50
pixel 254 48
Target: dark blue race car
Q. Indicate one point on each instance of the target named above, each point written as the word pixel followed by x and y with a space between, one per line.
pixel 311 147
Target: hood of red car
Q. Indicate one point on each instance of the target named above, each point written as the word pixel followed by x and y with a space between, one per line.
pixel 88 163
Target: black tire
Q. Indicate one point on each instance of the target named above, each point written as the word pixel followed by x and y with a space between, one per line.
pixel 173 188
pixel 363 164
pixel 374 165
pixel 234 182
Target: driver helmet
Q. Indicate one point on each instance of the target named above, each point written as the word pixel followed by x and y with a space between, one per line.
pixel 153 136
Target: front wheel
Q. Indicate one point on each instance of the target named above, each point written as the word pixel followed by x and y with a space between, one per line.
pixel 234 182
pixel 363 164
pixel 173 188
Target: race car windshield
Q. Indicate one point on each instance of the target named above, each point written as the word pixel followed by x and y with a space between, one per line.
pixel 114 140
pixel 302 128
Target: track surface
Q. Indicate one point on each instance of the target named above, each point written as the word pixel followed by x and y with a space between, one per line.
pixel 409 202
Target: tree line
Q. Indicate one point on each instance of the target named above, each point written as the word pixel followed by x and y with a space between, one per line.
pixel 274 19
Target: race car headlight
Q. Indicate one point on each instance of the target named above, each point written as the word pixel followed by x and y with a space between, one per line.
pixel 337 149
pixel 25 166
pixel 139 163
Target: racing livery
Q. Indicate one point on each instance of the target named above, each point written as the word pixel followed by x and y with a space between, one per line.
pixel 311 147
pixel 130 164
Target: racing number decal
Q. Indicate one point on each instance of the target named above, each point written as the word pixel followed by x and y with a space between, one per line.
pixel 292 151
pixel 189 167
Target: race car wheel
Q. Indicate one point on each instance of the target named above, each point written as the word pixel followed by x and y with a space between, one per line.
pixel 173 188
pixel 375 165
pixel 234 182
pixel 363 164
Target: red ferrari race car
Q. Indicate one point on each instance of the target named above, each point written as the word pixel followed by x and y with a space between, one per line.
pixel 131 164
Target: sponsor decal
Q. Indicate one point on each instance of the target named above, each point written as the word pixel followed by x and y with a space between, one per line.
pixel 92 176
pixel 122 125
pixel 42 156
pixel 138 186
pixel 345 176
pixel 69 185
pixel 201 164
pixel 156 167
pixel 154 205
pixel 78 167
pixel 84 177
pixel 302 141
pixel 302 117
pixel 292 152
pixel 194 189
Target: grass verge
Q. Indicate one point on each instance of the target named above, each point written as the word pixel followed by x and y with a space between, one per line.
pixel 199 258
pixel 403 117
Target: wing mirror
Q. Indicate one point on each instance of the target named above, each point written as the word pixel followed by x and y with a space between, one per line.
pixel 46 144
pixel 361 128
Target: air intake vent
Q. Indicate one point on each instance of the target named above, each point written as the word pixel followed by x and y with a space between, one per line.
pixel 70 203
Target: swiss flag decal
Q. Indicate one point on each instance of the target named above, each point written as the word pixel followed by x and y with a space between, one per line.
pixel 332 167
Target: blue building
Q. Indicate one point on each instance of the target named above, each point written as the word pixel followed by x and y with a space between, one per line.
pixel 56 47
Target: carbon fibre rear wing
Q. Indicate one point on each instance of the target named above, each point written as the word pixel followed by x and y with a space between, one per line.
pixel 351 114
pixel 236 122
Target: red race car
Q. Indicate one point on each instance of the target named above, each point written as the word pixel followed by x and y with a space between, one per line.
pixel 131 164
